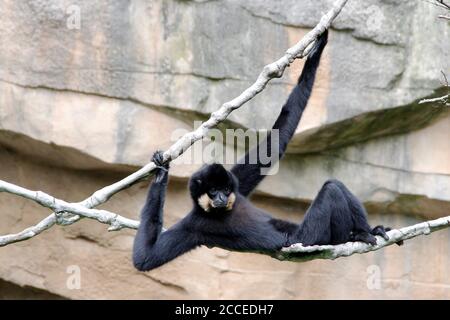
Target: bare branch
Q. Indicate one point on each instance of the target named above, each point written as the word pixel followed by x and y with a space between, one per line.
pixel 297 252
pixel 445 81
pixel 443 4
pixel 438 3
pixel 29 232
pixel 444 100
pixel 115 221
pixel 270 71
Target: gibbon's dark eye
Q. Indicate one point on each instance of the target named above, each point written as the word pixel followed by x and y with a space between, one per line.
pixel 227 190
pixel 213 191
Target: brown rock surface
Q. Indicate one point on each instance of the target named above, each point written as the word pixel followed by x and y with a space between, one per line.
pixel 81 108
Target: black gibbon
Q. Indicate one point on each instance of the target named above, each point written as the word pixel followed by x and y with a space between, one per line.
pixel 222 216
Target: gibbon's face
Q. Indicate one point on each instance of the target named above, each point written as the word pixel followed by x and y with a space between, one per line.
pixel 213 188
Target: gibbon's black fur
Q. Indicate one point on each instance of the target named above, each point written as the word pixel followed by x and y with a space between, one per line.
pixel 222 216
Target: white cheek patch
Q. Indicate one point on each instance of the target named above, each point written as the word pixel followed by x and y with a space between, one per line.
pixel 205 202
pixel 231 200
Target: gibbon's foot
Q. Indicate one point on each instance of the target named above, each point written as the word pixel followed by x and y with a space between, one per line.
pixel 161 167
pixel 380 231
pixel 364 237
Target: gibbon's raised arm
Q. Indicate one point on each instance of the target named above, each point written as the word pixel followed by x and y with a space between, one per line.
pixel 151 247
pixel 249 174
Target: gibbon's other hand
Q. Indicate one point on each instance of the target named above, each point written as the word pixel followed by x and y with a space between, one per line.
pixel 380 231
pixel 162 169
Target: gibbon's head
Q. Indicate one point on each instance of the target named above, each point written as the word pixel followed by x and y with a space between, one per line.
pixel 213 188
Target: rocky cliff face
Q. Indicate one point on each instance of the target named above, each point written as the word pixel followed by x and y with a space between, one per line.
pixel 83 105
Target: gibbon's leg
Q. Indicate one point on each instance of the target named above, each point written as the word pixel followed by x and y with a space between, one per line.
pixel 359 215
pixel 333 217
pixel 316 228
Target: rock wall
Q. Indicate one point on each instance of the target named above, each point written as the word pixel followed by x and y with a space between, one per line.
pixel 83 107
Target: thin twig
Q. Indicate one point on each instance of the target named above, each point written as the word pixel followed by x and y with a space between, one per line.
pixel 443 99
